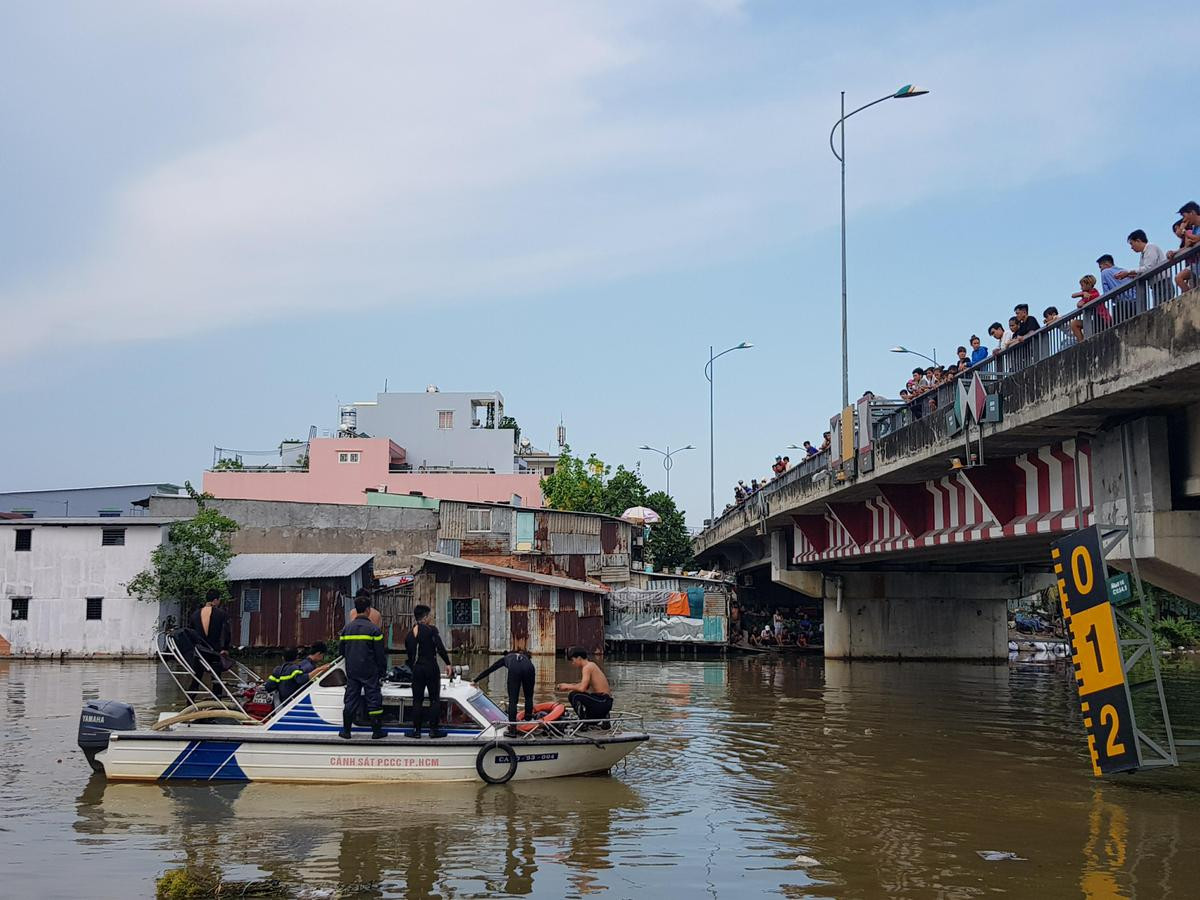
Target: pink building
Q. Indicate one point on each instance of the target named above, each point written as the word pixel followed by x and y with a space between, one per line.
pixel 342 470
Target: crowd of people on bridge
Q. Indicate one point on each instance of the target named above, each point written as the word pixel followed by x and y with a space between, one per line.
pixel 783 464
pixel 919 391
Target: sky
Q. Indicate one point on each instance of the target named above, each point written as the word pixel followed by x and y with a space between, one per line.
pixel 222 219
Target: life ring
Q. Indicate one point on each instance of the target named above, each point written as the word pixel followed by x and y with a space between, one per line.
pixel 543 712
pixel 503 748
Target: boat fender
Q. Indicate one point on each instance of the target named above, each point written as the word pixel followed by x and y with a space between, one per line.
pixel 543 712
pixel 496 746
pixel 97 720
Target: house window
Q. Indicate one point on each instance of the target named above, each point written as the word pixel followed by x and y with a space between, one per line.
pixel 110 513
pixel 112 537
pixel 349 456
pixel 464 613
pixel 251 600
pixel 310 601
pixel 445 419
pixel 24 540
pixel 479 520
pixel 95 607
pixel 20 609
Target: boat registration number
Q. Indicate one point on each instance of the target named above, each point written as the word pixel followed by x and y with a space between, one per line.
pixel 504 759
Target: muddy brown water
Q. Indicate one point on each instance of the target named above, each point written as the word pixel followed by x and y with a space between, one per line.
pixel 791 777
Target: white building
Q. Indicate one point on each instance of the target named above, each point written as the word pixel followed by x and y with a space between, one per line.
pixel 63 586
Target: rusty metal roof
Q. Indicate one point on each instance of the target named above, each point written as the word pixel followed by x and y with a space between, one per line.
pixel 513 574
pixel 279 566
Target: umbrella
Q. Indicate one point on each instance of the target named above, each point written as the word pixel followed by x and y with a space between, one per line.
pixel 641 515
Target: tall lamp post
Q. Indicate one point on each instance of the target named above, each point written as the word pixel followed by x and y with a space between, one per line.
pixel 712 469
pixel 667 461
pixel 907 91
pixel 932 359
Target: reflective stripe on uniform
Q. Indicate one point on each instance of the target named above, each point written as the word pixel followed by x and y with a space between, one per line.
pixel 362 637
pixel 375 712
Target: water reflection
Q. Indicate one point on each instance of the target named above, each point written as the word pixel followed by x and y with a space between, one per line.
pixel 765 776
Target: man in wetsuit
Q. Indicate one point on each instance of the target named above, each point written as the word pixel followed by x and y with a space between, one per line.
pixel 520 679
pixel 366 663
pixel 213 637
pixel 590 697
pixel 424 645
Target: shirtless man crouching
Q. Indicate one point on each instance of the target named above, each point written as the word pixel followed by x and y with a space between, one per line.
pixel 590 697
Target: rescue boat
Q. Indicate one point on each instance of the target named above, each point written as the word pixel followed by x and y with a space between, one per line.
pixel 298 741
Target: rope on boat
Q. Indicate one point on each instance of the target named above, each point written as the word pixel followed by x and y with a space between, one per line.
pixel 192 715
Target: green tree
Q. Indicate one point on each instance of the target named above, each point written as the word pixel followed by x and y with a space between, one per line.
pixel 576 484
pixel 228 465
pixel 191 561
pixel 510 422
pixel 668 544
pixel 592 486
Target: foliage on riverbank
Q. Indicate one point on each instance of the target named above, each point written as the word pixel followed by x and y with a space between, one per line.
pixel 201 884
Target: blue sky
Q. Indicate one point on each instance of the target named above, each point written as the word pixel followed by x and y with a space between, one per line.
pixel 220 219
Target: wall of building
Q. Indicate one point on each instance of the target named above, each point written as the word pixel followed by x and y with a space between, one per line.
pixel 412 421
pixel 394 535
pixel 83 501
pixel 65 565
pixel 550 542
pixel 513 615
pixel 329 481
pixel 279 621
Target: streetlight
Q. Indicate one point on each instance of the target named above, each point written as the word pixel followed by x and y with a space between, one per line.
pixel 712 477
pixel 907 91
pixel 667 461
pixel 932 359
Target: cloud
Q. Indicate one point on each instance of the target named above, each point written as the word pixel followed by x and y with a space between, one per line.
pixel 382 155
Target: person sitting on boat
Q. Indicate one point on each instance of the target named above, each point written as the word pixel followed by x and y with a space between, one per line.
pixel 424 645
pixel 292 676
pixel 520 680
pixel 291 657
pixel 590 697
pixel 366 663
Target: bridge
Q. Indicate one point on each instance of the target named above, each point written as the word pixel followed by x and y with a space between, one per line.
pixel 919 525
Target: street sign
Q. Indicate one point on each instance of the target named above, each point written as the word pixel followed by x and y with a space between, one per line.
pixel 1120 590
pixel 1096 652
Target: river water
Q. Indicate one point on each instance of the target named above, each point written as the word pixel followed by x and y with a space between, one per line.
pixel 792 777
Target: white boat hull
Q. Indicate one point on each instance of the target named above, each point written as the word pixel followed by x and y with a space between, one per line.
pixel 223 757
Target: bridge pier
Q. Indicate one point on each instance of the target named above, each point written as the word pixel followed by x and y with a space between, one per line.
pixel 921 615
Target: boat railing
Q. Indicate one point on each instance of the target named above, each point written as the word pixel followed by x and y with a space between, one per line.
pixel 616 724
pixel 191 681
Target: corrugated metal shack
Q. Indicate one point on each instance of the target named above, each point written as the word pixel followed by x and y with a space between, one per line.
pixel 581 546
pixel 290 599
pixel 677 611
pixel 482 606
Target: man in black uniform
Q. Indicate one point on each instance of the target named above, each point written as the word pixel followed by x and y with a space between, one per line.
pixel 424 646
pixel 520 679
pixel 366 662
pixel 295 674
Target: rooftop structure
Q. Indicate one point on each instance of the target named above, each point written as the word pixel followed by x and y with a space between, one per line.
pixel 107 500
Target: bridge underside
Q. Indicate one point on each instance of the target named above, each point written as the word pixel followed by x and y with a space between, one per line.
pixel 927 555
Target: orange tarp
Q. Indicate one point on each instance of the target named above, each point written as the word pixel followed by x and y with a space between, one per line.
pixel 677 605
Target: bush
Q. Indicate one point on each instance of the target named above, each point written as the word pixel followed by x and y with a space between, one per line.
pixel 1177 632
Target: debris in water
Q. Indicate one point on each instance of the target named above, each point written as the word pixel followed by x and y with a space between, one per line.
pixel 999 855
pixel 803 860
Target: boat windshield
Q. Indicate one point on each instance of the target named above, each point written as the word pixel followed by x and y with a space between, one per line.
pixel 486 708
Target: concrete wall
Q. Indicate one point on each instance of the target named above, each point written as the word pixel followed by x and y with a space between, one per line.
pixel 330 481
pixel 83 501
pixel 394 535
pixel 412 419
pixel 921 615
pixel 65 565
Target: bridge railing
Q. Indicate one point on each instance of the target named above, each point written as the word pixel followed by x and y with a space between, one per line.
pixel 1134 297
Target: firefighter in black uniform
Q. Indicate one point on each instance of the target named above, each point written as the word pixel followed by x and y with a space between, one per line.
pixel 424 646
pixel 366 663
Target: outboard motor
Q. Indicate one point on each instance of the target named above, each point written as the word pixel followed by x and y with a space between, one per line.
pixel 99 717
